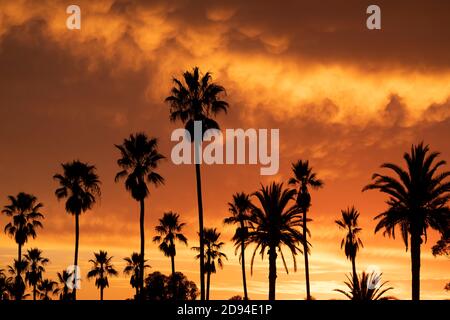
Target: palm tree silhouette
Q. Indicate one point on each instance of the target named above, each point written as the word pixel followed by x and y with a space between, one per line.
pixel 351 242
pixel 362 290
pixel 133 268
pixel 63 288
pixel 213 253
pixel 80 185
pixel 24 211
pixel 304 178
pixel 47 288
pixel 139 160
pixel 417 200
pixel 169 230
pixel 17 271
pixel 101 269
pixel 240 211
pixel 36 267
pixel 197 98
pixel 273 225
pixel 5 285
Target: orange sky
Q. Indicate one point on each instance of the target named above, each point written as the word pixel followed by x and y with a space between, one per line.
pixel 345 98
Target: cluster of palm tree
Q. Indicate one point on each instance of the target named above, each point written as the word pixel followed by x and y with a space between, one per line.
pixel 273 218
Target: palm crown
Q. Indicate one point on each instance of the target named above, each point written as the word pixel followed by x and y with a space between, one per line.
pixel 47 288
pixel 63 288
pixel 196 99
pixel 139 160
pixel 213 247
pixel 240 213
pixel 169 230
pixel 366 287
pixel 274 223
pixel 351 242
pixel 79 184
pixel 133 268
pixel 417 196
pixel 101 269
pixel 304 178
pixel 36 267
pixel 24 209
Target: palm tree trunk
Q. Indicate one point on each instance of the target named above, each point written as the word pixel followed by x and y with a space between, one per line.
pixel 208 283
pixel 305 253
pixel 272 272
pixel 34 292
pixel 141 263
pixel 244 280
pixel 75 261
pixel 174 284
pixel 415 265
pixel 208 276
pixel 200 226
pixel 355 275
pixel 172 262
pixel 101 293
pixel 19 259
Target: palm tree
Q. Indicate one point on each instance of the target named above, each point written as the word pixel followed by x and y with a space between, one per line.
pixel 351 242
pixel 133 268
pixel 197 98
pixel 80 185
pixel 24 211
pixel 304 178
pixel 36 267
pixel 213 253
pixel 63 289
pixel 139 160
pixel 169 230
pixel 363 291
pixel 273 225
pixel 5 286
pixel 101 269
pixel 240 210
pixel 417 200
pixel 17 271
pixel 47 288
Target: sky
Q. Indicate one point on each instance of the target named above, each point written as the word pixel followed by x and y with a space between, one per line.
pixel 344 97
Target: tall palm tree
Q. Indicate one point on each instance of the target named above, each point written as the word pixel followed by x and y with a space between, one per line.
pixel 63 288
pixel 133 268
pixel 197 98
pixel 169 230
pixel 304 178
pixel 47 288
pixel 102 268
pixel 212 254
pixel 362 291
pixel 274 225
pixel 36 267
pixel 417 200
pixel 17 272
pixel 240 211
pixel 80 185
pixel 351 242
pixel 139 158
pixel 24 211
